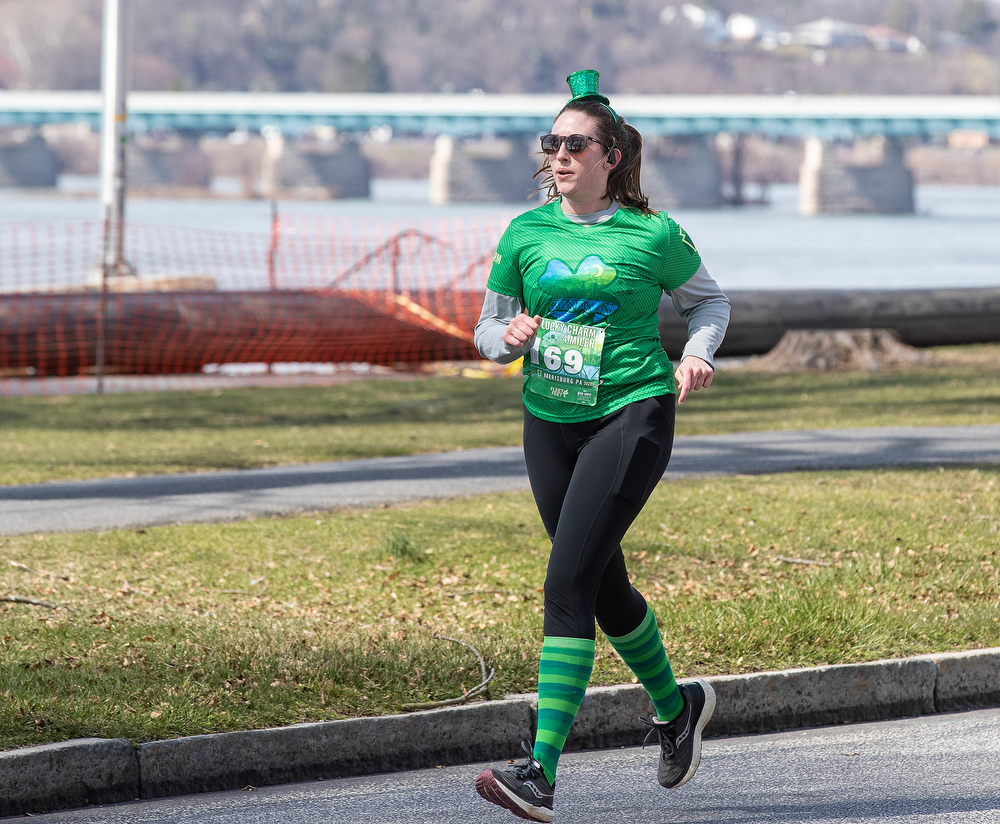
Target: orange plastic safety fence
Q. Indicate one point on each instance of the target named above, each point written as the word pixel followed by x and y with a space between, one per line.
pixel 313 290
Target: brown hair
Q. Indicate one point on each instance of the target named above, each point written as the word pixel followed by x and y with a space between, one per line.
pixel 623 182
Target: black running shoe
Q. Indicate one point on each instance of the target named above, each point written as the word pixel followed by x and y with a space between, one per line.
pixel 521 788
pixel 680 739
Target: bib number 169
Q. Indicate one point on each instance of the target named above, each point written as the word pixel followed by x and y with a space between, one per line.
pixel 570 361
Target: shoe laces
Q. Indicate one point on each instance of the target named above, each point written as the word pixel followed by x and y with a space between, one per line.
pixel 530 769
pixel 663 731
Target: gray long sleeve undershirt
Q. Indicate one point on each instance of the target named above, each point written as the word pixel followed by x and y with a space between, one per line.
pixel 498 311
pixel 700 301
pixel 705 308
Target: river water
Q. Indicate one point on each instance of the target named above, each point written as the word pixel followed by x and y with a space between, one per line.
pixel 953 240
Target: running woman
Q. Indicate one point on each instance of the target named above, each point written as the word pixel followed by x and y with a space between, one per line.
pixel 574 289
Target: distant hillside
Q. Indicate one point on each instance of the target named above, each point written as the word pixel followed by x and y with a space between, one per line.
pixel 656 46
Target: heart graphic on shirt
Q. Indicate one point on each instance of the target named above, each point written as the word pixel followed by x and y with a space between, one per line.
pixel 592 276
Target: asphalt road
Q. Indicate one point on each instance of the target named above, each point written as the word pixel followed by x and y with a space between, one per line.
pixel 942 769
pixel 228 496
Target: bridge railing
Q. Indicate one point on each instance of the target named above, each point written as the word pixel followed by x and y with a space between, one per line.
pixel 828 116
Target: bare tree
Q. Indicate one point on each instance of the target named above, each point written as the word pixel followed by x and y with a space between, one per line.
pixel 462 45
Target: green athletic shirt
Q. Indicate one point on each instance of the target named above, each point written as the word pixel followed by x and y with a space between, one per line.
pixel 609 275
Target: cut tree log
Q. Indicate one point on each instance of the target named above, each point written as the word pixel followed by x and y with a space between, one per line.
pixel 839 350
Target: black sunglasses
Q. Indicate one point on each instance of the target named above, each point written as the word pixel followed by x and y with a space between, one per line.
pixel 575 143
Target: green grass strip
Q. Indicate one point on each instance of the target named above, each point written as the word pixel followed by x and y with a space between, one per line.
pixel 194 629
pixel 77 437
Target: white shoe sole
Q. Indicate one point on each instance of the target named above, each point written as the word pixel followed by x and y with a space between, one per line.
pixel 494 792
pixel 706 715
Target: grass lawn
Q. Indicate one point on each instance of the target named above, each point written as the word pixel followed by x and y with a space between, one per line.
pixel 76 437
pixel 193 629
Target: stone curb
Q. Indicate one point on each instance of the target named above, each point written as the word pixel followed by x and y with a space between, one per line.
pixel 104 771
pixel 357 746
pixel 68 774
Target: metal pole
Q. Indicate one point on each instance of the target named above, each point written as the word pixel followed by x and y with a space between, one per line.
pixel 113 122
pixel 739 141
pixel 272 257
pixel 272 253
pixel 114 82
pixel 102 309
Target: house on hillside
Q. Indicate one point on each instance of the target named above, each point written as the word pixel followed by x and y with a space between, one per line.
pixel 951 41
pixel 889 40
pixel 703 18
pixel 745 28
pixel 828 33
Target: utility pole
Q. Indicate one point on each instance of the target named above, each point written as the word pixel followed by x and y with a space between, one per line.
pixel 114 82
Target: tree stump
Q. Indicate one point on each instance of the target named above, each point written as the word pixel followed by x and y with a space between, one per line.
pixel 839 350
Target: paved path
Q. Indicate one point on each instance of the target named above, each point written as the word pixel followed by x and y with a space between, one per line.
pixel 942 769
pixel 227 496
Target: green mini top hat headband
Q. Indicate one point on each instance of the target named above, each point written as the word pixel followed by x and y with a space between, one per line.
pixel 583 86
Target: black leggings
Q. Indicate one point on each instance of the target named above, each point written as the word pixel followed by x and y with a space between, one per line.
pixel 590 481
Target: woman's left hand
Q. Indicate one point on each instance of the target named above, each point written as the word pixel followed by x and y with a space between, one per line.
pixel 692 374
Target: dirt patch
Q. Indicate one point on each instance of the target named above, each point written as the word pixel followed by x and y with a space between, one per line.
pixel 838 350
pixel 980 354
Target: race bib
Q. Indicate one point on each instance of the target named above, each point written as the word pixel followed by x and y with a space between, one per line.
pixel 566 362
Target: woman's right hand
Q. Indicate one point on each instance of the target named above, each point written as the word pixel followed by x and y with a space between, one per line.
pixel 521 330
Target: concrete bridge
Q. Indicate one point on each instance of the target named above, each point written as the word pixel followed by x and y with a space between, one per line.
pixel 467 167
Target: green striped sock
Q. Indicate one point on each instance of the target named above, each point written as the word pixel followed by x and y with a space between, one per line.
pixel 642 649
pixel 563 675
